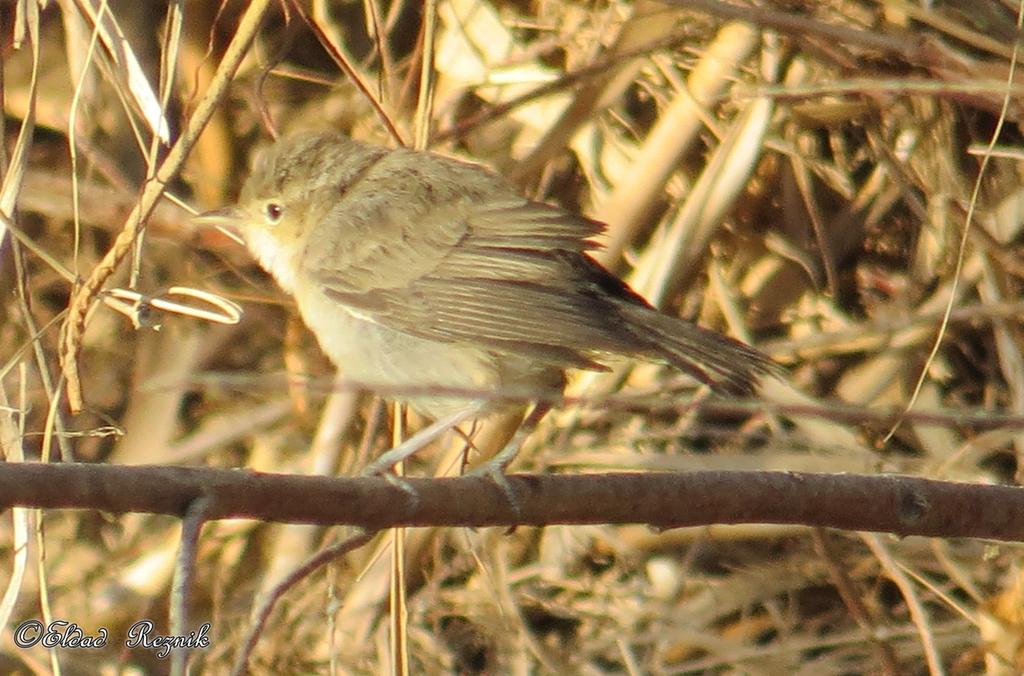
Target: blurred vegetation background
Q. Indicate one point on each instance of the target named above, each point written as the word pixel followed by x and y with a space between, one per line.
pixel 830 182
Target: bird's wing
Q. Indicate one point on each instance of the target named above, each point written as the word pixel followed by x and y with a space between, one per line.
pixel 507 274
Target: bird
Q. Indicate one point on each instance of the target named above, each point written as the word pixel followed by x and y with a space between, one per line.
pixel 434 280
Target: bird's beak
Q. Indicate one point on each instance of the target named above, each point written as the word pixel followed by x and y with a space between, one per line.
pixel 228 217
pixel 229 220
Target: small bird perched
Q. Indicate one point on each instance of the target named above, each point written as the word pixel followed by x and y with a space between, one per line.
pixel 419 271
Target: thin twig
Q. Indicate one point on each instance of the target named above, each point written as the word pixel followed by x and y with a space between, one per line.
pixel 262 613
pixel 85 296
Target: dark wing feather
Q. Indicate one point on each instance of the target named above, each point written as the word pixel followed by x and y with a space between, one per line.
pixel 508 289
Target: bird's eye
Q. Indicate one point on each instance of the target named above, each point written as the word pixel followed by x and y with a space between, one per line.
pixel 273 211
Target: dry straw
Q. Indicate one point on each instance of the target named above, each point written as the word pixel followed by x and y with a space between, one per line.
pixel 837 182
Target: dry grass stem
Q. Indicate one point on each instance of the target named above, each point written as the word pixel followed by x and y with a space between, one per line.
pixel 837 182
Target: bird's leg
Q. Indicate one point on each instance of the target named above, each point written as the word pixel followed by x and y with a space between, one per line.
pixel 389 459
pixel 496 466
pixel 505 456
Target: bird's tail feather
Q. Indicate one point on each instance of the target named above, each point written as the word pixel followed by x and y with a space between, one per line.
pixel 726 365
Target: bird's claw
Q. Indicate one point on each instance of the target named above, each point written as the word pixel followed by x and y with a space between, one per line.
pixel 495 471
pixel 394 480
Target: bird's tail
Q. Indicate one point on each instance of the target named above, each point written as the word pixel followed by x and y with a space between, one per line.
pixel 724 364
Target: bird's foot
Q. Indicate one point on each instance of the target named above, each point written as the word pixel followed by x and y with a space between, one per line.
pixel 494 469
pixel 395 480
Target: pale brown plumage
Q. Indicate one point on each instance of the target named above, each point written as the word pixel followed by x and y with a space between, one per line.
pixel 444 273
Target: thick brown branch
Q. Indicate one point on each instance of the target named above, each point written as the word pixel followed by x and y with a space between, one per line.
pixel 890 504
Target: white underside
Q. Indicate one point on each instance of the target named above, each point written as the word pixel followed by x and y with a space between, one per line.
pixel 380 358
pixel 397 364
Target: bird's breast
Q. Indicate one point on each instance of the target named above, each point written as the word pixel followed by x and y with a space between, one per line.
pixel 427 374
